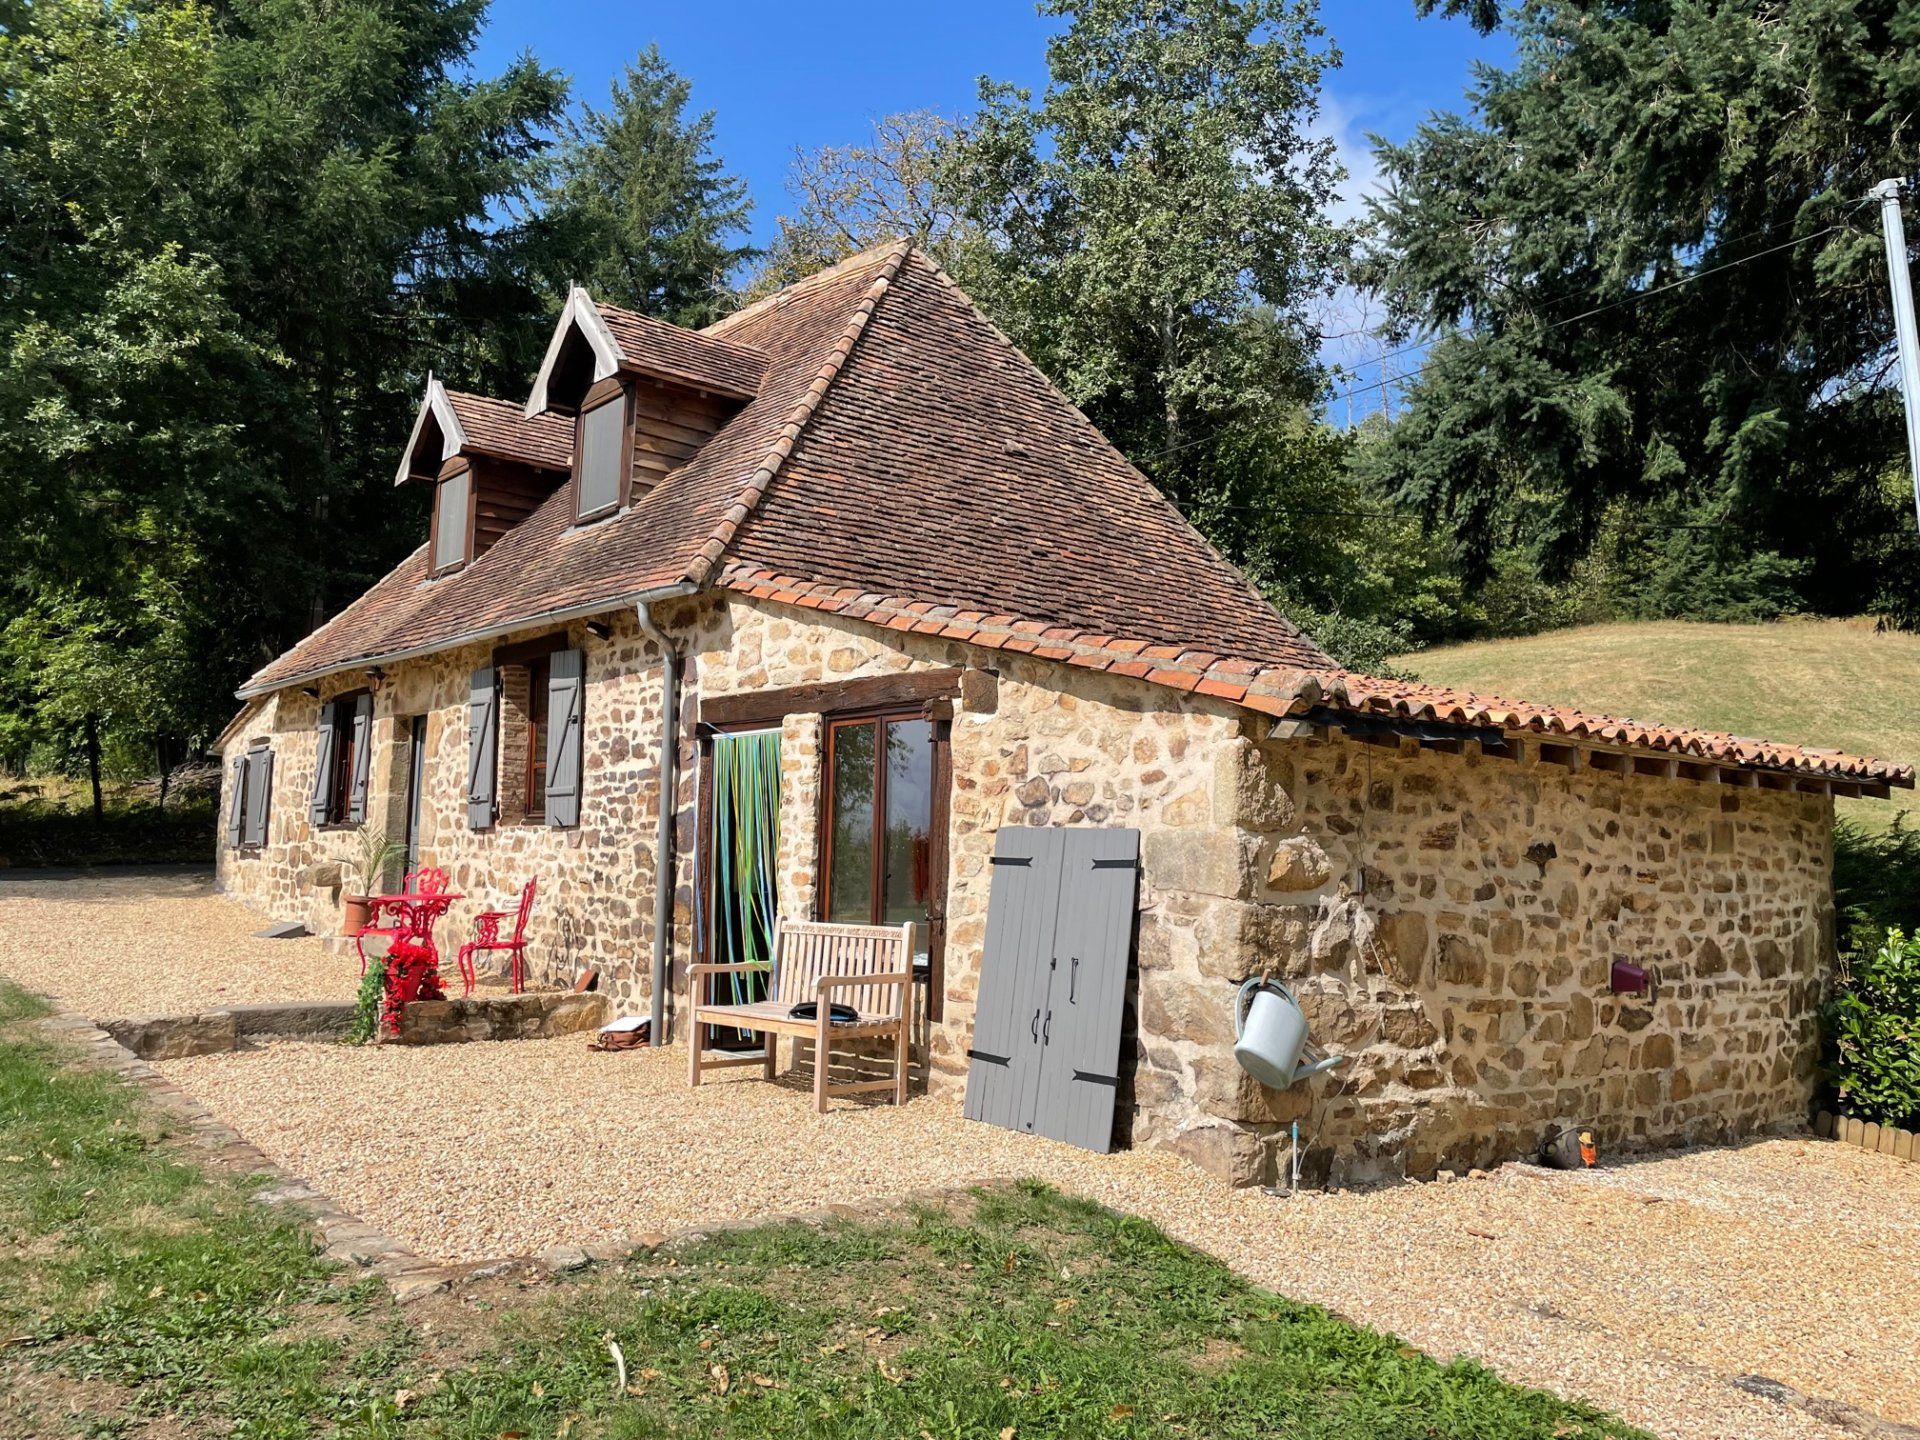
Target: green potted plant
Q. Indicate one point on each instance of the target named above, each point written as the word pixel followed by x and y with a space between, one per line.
pixel 379 852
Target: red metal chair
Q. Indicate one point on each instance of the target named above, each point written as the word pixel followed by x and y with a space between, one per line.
pixel 487 937
pixel 428 880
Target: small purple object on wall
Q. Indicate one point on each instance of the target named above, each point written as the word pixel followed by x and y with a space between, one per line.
pixel 1630 979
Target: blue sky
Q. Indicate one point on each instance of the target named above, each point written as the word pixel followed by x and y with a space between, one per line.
pixel 781 75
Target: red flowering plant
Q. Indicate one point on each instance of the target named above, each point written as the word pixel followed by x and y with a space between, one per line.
pixel 412 973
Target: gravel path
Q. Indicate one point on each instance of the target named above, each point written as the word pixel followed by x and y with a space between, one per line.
pixel 1645 1289
pixel 117 943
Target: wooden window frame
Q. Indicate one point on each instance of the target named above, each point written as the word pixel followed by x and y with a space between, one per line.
pixel 612 391
pixel 458 465
pixel 938 715
pixel 539 677
pixel 340 781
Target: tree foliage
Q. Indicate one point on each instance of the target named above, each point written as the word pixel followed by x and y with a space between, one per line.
pixel 232 240
pixel 849 198
pixel 639 208
pixel 1660 306
pixel 1153 231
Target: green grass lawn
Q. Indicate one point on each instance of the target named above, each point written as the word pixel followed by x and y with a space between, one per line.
pixel 1812 682
pixel 143 1296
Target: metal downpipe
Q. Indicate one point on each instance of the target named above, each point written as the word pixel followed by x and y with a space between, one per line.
pixel 663 867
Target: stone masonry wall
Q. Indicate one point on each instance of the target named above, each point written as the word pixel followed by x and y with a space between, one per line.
pixel 595 901
pixel 1448 920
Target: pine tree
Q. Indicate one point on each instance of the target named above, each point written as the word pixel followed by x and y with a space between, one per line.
pixel 1660 306
pixel 639 208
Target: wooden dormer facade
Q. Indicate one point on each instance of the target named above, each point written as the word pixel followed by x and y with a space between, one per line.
pixel 641 396
pixel 491 467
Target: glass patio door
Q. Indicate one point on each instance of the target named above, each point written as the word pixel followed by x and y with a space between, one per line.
pixel 884 830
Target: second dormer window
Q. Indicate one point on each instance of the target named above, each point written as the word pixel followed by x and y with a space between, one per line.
pixel 451 520
pixel 602 456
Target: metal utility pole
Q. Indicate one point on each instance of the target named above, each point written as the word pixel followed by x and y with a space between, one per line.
pixel 1887 192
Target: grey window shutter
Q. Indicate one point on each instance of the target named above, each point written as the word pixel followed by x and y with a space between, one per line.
pixel 323 768
pixel 237 805
pixel 1092 948
pixel 566 722
pixel 362 757
pixel 259 795
pixel 483 747
pixel 1023 905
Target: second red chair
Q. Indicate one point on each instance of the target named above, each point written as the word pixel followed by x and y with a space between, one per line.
pixel 486 936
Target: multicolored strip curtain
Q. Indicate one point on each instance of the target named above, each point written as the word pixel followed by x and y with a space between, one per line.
pixel 746 840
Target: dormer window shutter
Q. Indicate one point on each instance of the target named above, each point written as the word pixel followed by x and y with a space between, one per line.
pixel 483 747
pixel 362 758
pixel 318 804
pixel 566 720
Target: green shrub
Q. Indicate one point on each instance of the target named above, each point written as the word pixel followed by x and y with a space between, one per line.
pixel 1876 884
pixel 1873 1033
pixel 366 1004
pixel 36 832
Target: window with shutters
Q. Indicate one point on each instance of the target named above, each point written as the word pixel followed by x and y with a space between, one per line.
pixel 538 686
pixel 452 521
pixel 599 474
pixel 340 787
pixel 535 773
pixel 250 802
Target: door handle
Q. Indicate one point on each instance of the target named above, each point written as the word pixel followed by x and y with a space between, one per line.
pixel 1073 978
pixel 1034 1029
pixel 1046 1030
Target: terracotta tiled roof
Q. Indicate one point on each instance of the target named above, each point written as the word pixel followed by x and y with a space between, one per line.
pixel 707 361
pixel 1286 691
pixel 546 565
pixel 499 427
pixel 902 463
pixel 943 465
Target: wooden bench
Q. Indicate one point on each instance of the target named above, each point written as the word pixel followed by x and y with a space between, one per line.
pixel 869 967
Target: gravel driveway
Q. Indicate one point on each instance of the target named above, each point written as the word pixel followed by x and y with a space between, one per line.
pixel 153 942
pixel 1737 1294
pixel 1647 1288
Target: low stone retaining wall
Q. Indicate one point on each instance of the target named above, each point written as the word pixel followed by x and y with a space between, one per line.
pixel 1884 1139
pixel 215 1032
pixel 536 1016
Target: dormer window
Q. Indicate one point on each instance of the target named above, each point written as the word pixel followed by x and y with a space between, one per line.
pixel 601 466
pixel 452 520
pixel 490 467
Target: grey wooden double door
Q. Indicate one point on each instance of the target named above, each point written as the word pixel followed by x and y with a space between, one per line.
pixel 1053 981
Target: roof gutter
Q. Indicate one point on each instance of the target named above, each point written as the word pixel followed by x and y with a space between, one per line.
pixel 675 591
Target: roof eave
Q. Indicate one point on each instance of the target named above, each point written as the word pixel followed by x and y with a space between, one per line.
pixel 608 357
pixel 677 590
pixel 453 435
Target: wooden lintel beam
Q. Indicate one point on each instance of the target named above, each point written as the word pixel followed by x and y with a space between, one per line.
pixel 837 697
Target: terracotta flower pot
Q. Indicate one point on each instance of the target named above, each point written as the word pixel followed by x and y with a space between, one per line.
pixel 356 913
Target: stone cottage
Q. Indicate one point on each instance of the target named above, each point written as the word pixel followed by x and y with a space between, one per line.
pixel 794 613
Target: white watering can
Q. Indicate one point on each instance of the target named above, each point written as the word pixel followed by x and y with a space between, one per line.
pixel 1270 1036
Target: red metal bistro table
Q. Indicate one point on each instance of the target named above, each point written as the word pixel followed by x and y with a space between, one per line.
pixel 412 963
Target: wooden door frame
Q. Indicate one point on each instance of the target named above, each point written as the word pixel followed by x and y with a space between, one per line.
pixel 939 716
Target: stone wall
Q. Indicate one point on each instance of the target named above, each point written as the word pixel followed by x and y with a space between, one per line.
pixel 595 901
pixel 1448 920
